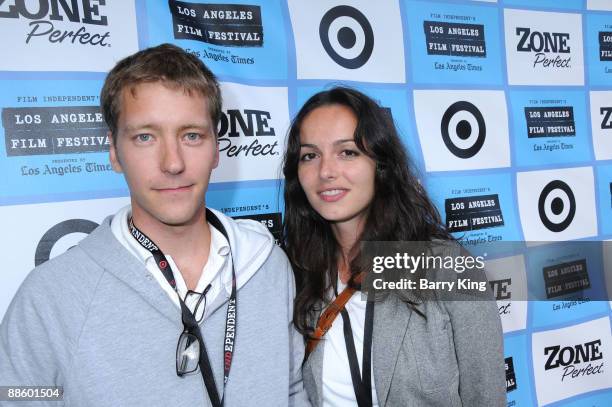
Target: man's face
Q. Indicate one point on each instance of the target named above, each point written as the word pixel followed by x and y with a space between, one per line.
pixel 166 147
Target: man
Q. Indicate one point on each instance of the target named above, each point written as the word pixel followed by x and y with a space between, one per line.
pixel 104 320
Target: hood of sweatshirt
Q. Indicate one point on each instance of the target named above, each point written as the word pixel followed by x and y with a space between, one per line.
pixel 250 243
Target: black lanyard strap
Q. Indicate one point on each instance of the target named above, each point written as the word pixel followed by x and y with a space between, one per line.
pixel 187 315
pixel 362 383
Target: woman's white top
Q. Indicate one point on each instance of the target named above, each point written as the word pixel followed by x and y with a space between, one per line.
pixel 337 384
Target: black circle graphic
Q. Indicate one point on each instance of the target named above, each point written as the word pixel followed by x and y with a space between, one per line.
pixel 51 236
pixel 347 37
pixel 463 129
pixel 557 206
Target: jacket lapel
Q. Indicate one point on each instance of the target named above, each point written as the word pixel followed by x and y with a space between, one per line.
pixel 391 317
pixel 102 246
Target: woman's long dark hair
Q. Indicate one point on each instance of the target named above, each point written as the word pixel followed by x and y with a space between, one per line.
pixel 400 209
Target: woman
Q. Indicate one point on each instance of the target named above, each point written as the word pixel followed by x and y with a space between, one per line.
pixel 347 180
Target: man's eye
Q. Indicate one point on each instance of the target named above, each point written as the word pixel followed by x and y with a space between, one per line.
pixel 144 137
pixel 193 136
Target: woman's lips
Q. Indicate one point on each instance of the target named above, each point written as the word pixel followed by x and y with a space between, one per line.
pixel 333 195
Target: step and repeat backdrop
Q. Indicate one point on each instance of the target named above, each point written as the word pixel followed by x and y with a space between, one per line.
pixel 505 107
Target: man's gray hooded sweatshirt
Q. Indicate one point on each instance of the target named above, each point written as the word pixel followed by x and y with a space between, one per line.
pixel 96 322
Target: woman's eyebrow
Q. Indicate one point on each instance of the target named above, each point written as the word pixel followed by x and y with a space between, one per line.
pixel 348 140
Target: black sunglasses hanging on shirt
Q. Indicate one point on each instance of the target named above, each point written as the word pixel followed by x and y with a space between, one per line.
pixel 191 341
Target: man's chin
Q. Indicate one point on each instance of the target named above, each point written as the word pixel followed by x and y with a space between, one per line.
pixel 176 220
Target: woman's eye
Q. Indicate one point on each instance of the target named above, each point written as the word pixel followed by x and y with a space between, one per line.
pixel 350 153
pixel 307 156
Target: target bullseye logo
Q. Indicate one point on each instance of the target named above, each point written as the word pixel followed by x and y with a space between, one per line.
pixel 463 129
pixel 347 36
pixel 69 232
pixel 557 206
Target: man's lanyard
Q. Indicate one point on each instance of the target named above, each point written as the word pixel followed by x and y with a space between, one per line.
pixel 362 383
pixel 230 319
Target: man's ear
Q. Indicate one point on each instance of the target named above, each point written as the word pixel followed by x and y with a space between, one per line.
pixel 112 154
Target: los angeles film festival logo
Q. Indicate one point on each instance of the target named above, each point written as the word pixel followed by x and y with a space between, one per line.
pixel 510 375
pixel 30 131
pixel 457 40
pixel 87 15
pixel 230 25
pixel 273 221
pixel 566 278
pixel 605 45
pixel 550 121
pixel 473 213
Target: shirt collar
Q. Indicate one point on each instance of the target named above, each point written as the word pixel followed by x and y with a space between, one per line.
pixel 218 243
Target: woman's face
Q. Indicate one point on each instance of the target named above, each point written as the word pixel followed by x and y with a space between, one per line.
pixel 336 176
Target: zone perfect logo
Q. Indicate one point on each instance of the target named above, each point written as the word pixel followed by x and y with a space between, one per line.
pixel 234 25
pixel 543 48
pixel 251 132
pixel 86 12
pixel 567 357
pixel 571 361
pixel 601 124
pixel 544 44
pixel 606 117
pixel 349 42
pixel 502 291
pixel 252 123
pixel 508 282
pixel 61 35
